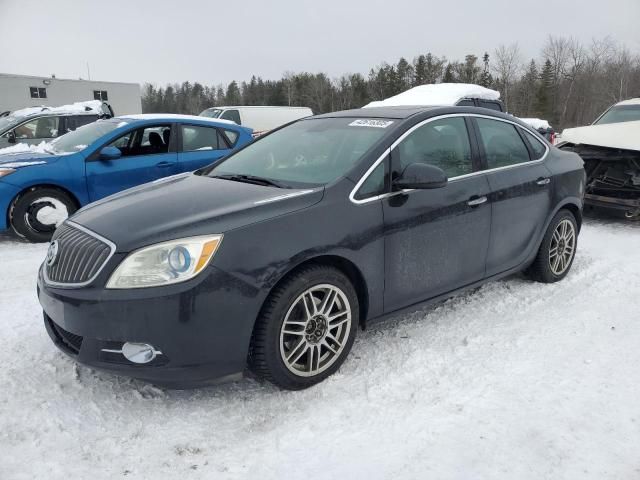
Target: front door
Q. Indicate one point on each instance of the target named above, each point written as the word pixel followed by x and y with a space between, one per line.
pixel 38 130
pixel 520 191
pixel 436 240
pixel 147 154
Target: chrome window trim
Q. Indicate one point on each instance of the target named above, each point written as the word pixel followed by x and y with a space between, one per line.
pixel 452 179
pixel 109 243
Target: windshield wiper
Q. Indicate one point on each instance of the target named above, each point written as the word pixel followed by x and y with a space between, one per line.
pixel 236 177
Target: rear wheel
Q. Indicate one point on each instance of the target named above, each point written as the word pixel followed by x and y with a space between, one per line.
pixel 306 328
pixel 36 214
pixel 557 251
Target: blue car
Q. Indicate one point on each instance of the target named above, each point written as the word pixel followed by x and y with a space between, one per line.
pixel 43 185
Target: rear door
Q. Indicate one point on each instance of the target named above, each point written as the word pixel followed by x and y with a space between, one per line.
pixel 148 154
pixel 200 146
pixel 520 191
pixel 436 240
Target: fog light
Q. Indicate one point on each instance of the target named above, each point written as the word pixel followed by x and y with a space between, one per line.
pixel 139 352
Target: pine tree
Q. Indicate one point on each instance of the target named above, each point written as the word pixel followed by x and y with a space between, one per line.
pixel 449 74
pixel 485 77
pixel 544 106
pixel 420 69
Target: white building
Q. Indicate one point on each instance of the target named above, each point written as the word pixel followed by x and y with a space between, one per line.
pixel 20 91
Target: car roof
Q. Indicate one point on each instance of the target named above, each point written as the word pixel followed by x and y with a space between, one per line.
pixel 631 101
pixel 379 112
pixel 175 116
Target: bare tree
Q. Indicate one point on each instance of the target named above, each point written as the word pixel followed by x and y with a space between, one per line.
pixel 506 65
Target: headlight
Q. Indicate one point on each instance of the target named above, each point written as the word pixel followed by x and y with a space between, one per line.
pixel 6 171
pixel 165 263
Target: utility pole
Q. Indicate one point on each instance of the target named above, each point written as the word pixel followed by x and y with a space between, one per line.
pixel 88 72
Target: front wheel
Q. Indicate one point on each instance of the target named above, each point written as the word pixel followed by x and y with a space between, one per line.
pixel 306 328
pixel 36 214
pixel 557 251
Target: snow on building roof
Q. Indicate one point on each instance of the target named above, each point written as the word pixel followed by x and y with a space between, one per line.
pixel 438 94
pixel 536 123
pixel 166 116
pixel 93 106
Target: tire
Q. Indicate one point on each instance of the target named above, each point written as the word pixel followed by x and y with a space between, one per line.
pixel 35 214
pixel 557 250
pixel 305 329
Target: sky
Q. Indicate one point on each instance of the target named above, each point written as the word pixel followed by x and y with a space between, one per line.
pixel 214 42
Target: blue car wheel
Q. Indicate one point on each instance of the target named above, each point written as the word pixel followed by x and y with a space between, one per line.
pixel 36 214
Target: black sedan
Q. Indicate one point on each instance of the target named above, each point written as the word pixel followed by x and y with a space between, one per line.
pixel 272 258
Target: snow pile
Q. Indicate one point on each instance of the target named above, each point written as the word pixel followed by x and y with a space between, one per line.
pixel 438 94
pixel 18 148
pixel 94 106
pixel 517 380
pixel 537 123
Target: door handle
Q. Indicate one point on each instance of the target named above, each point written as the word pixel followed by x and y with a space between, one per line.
pixel 543 181
pixel 474 202
pixel 163 164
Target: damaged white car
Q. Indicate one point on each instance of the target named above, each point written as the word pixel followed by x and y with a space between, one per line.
pixel 610 148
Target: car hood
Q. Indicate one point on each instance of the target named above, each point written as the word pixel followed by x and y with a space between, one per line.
pixel 623 135
pixel 26 159
pixel 187 205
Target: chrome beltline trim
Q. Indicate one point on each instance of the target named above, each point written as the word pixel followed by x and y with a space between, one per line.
pixel 452 179
pixel 109 243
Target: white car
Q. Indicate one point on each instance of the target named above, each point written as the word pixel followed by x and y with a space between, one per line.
pixel 260 118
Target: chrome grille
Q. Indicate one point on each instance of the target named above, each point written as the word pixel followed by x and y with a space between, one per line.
pixel 80 256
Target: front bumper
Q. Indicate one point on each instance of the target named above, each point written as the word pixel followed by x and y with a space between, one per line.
pixel 202 327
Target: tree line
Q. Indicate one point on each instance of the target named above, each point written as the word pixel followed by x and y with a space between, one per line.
pixel 569 84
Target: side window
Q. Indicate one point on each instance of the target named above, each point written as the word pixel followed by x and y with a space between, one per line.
pixel 536 145
pixel 502 143
pixel 144 141
pixel 76 121
pixel 43 127
pixel 38 92
pixel 465 102
pixel 232 136
pixel 374 184
pixel 201 138
pixel 443 143
pixel 490 105
pixel 233 115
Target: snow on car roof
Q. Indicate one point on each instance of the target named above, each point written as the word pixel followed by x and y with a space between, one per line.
pixel 165 116
pixel 536 123
pixel 89 106
pixel 631 101
pixel 437 94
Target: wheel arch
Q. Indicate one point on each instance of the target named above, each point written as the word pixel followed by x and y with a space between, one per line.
pixel 343 264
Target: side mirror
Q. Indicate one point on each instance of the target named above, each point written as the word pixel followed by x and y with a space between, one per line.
pixel 420 176
pixel 11 137
pixel 110 153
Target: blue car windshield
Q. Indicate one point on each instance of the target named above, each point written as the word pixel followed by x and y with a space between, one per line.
pixel 309 152
pixel 84 136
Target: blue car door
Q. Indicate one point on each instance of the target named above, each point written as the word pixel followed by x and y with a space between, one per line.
pixel 201 145
pixel 146 154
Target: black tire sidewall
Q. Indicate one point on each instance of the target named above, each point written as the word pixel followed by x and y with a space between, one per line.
pixel 22 203
pixel 276 310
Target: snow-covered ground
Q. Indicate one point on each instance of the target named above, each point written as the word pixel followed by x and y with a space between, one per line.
pixel 517 380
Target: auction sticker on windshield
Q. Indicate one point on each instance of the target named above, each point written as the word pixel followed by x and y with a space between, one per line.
pixel 371 123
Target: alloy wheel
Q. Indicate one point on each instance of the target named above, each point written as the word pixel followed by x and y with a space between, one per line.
pixel 562 247
pixel 315 330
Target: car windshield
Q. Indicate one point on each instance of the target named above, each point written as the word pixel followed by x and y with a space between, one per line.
pixel 84 136
pixel 211 113
pixel 8 121
pixel 307 153
pixel 621 113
